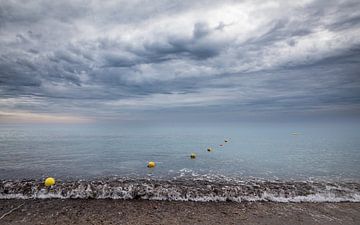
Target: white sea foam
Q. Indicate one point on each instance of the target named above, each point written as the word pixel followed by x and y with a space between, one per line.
pixel 185 190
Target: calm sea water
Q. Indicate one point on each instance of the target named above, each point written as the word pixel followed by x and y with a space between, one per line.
pixel 262 151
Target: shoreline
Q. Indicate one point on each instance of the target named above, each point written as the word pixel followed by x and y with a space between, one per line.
pixel 107 211
pixel 220 190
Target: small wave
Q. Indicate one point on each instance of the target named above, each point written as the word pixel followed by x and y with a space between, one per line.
pixel 185 190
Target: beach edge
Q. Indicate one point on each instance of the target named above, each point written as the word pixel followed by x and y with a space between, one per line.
pixel 108 211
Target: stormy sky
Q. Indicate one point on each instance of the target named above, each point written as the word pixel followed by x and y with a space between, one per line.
pixel 83 61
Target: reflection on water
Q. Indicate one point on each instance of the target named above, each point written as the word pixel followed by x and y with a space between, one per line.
pixel 268 151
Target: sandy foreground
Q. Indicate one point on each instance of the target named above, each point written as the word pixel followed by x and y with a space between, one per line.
pixel 57 211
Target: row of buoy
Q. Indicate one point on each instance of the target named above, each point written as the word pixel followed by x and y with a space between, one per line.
pixel 50 181
pixel 152 164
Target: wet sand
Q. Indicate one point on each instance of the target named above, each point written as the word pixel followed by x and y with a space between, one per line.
pixel 82 211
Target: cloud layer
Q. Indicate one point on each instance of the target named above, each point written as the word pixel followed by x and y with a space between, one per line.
pixel 137 59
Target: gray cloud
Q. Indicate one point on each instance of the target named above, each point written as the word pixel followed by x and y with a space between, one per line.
pixel 138 59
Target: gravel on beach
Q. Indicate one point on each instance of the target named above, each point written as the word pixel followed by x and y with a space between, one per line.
pixel 87 211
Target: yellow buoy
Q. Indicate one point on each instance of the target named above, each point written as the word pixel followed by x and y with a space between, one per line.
pixel 151 164
pixel 209 149
pixel 49 181
pixel 193 155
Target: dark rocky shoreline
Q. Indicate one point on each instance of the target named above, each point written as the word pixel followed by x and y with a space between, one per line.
pixel 184 190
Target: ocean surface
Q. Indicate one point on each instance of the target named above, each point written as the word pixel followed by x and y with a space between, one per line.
pixel 267 162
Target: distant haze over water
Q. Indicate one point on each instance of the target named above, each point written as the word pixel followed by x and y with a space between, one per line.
pixel 267 151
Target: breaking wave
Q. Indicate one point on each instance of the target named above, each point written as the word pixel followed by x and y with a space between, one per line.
pixel 185 189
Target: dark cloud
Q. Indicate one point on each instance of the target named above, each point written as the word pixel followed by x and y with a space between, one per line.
pixel 139 59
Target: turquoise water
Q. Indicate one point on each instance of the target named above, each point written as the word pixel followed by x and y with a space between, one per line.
pixel 265 151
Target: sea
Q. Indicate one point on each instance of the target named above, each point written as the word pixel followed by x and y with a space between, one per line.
pixel 281 162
